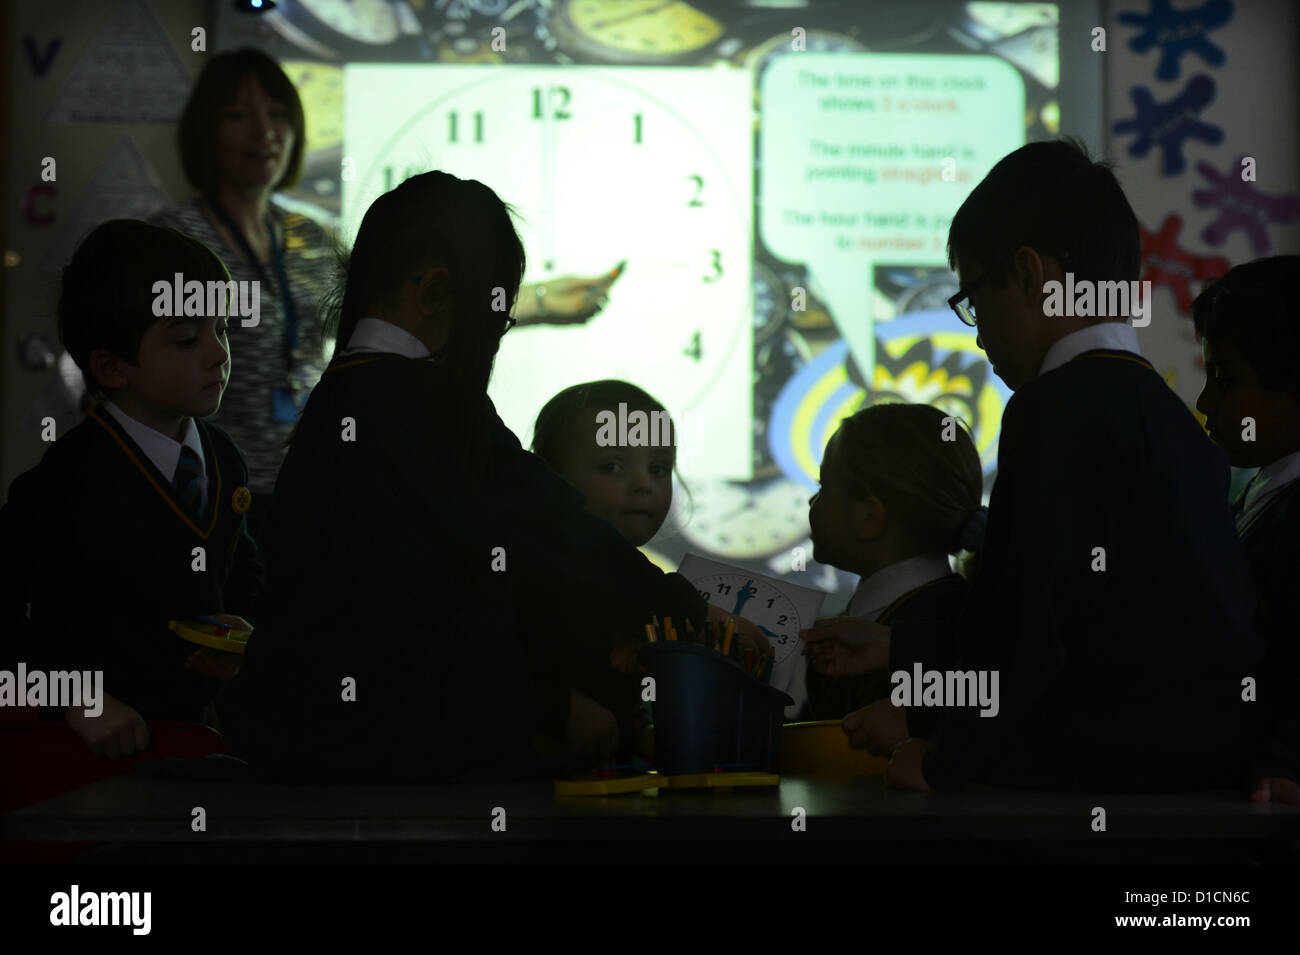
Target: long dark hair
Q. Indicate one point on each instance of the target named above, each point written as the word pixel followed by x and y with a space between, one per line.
pixel 436 218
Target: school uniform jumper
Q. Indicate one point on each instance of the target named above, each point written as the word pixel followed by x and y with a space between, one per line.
pixel 423 625
pixel 1113 595
pixel 931 603
pixel 102 548
pixel 1270 530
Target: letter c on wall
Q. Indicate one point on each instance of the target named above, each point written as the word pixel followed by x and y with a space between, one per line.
pixel 30 213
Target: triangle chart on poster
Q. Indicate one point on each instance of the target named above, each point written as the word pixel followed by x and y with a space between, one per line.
pixel 130 74
pixel 125 187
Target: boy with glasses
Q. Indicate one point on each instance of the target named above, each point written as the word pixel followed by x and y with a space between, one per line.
pixel 1112 595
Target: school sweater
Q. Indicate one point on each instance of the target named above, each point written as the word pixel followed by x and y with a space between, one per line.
pixel 935 602
pixel 1112 596
pixel 419 627
pixel 1271 536
pixel 100 546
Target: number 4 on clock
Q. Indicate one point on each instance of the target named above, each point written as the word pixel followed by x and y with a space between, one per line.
pixel 694 350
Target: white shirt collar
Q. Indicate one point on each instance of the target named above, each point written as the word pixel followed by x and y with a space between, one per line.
pixel 1267 482
pixel 162 450
pixel 1115 336
pixel 377 335
pixel 875 593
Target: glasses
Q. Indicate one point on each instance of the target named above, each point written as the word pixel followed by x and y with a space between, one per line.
pixel 965 309
pixel 961 304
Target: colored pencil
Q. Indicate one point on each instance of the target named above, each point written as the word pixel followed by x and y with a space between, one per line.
pixel 726 640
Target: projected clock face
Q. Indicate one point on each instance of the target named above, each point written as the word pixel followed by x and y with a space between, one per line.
pixel 601 164
pixel 369 21
pixel 760 603
pixel 745 521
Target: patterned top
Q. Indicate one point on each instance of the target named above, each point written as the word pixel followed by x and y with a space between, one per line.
pixel 257 354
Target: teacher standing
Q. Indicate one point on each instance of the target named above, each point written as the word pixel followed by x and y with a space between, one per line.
pixel 241 140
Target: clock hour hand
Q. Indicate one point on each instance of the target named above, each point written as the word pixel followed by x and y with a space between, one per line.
pixel 632 16
pixel 749 506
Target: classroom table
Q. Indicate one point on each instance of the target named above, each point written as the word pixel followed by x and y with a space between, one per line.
pixel 139 819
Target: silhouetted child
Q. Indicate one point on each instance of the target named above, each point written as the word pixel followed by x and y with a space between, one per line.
pixel 1112 597
pixel 1251 402
pixel 900 491
pixel 629 487
pixel 104 535
pixel 435 590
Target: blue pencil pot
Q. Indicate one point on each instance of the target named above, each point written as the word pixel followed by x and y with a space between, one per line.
pixel 710 714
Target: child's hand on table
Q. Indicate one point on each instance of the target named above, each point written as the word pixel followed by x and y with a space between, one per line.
pixel 118 731
pixel 1276 789
pixel 623 657
pixel 904 770
pixel 846 646
pixel 878 728
pixel 219 663
pixel 592 729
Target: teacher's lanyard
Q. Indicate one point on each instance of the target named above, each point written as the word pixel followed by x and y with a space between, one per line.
pixel 277 258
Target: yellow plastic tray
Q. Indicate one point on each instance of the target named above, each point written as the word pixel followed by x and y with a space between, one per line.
pixel 614 785
pixel 721 780
pixel 210 635
pixel 820 749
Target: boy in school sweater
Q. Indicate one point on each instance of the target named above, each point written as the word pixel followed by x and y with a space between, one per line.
pixel 1112 596
pixel 1251 403
pixel 135 517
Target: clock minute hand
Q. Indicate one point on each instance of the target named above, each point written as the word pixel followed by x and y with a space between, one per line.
pixel 743 597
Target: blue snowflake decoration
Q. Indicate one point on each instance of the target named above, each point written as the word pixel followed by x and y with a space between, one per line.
pixel 1169 125
pixel 1177 32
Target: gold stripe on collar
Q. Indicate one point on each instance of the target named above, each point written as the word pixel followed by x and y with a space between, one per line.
pixel 892 608
pixel 353 362
pixel 164 492
pixel 1136 359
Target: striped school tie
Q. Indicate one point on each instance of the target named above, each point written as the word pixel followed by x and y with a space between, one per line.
pixel 1239 505
pixel 187 481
